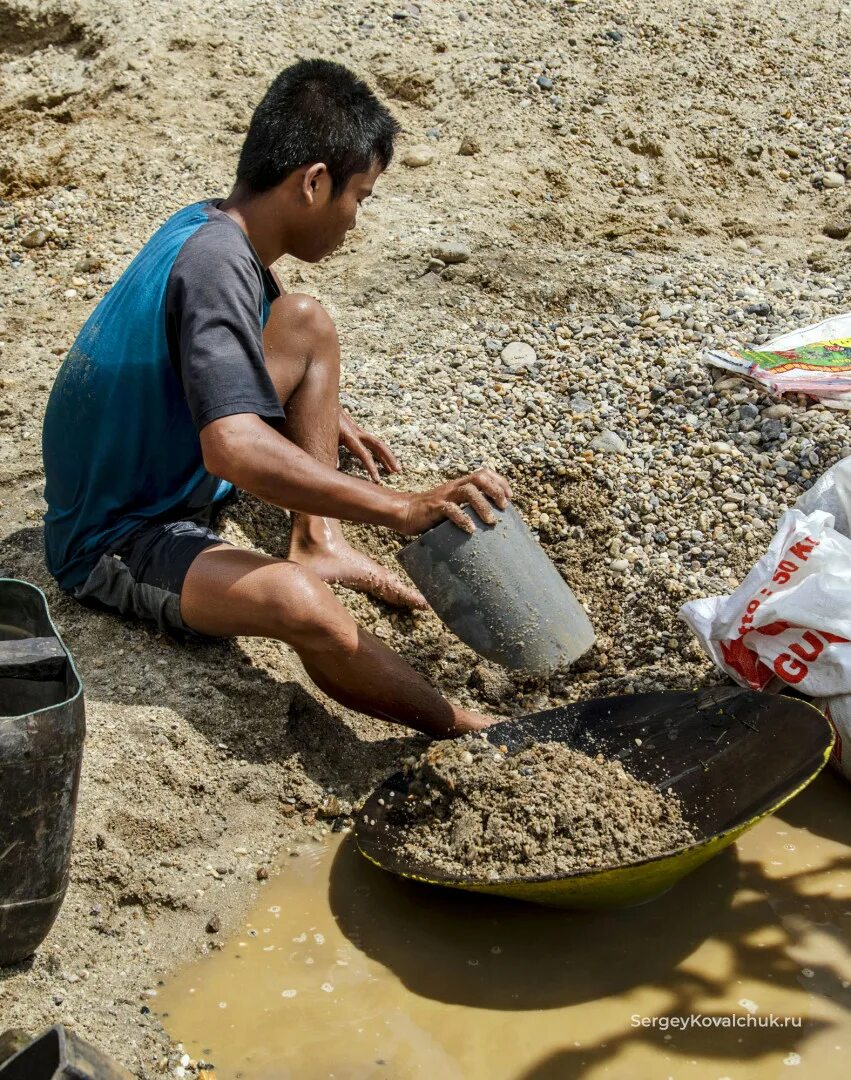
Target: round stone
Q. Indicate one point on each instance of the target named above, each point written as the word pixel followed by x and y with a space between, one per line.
pixel 518 355
pixel 418 156
pixel 451 252
pixel 35 239
pixel 837 230
pixel 608 442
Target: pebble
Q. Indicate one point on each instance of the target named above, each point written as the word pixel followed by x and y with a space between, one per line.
pixel 833 180
pixel 89 264
pixel 837 230
pixel 620 566
pixel 609 442
pixel 518 355
pixel 214 925
pixel 469 146
pixel 450 252
pixel 418 156
pixel 545 82
pixel 35 239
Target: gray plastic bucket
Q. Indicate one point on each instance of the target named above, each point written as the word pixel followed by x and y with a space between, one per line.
pixel 497 590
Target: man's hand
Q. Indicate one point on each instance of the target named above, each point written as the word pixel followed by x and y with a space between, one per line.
pixel 428 508
pixel 365 447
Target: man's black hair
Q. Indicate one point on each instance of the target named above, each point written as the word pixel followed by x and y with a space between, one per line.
pixel 314 111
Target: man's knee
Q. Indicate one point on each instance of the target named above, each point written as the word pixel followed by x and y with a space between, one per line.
pixel 307 318
pixel 308 616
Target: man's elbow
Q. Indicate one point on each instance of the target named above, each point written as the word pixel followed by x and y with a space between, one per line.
pixel 223 456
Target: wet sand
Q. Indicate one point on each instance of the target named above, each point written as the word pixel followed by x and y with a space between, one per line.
pixel 475 809
pixel 343 971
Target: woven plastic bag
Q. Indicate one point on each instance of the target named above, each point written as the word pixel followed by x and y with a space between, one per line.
pixel 815 360
pixel 831 493
pixel 790 619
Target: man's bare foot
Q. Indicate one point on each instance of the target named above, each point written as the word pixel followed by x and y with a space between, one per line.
pixel 466 720
pixel 320 545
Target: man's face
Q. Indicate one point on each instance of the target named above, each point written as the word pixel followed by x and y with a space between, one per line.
pixel 326 218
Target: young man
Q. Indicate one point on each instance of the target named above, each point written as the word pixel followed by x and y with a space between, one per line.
pixel 196 375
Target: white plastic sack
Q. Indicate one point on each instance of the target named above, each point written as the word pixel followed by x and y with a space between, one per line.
pixel 838 712
pixel 832 493
pixel 790 619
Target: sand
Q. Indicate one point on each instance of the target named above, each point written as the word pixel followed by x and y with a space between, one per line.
pixel 479 811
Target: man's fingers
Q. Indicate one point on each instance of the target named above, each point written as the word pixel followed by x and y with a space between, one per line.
pixel 495 485
pixel 489 483
pixel 365 457
pixel 383 452
pixel 471 494
pixel 455 514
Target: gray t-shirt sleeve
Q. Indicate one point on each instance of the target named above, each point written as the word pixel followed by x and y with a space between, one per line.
pixel 214 326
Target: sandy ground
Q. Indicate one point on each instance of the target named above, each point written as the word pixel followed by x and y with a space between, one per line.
pixel 649 178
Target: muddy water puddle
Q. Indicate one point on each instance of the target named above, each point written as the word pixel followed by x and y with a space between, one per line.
pixel 344 972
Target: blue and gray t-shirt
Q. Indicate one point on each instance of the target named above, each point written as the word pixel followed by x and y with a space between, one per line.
pixel 176 343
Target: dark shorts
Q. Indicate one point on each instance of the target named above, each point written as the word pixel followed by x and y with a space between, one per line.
pixel 144 575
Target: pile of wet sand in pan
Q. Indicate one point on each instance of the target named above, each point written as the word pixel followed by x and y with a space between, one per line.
pixel 479 811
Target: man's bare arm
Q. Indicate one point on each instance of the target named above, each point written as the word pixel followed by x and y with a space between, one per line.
pixel 252 455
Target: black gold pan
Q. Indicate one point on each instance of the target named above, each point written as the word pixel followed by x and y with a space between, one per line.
pixel 731 755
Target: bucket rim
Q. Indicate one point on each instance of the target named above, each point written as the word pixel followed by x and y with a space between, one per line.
pixel 55 1029
pixel 69 700
pixel 447 524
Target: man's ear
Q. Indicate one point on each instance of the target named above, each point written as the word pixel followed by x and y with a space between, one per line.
pixel 315 177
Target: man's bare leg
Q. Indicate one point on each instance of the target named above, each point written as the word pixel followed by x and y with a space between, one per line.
pixel 230 592
pixel 303 358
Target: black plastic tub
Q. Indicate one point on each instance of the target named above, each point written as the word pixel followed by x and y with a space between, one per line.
pixel 58 1054
pixel 42 728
